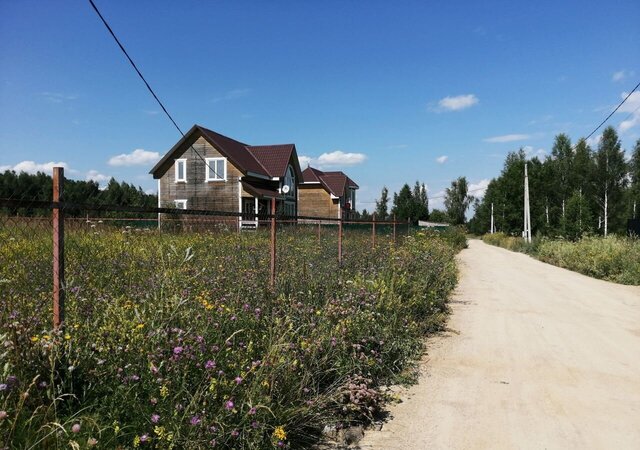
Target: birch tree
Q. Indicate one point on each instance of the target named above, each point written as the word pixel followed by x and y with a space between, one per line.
pixel 610 174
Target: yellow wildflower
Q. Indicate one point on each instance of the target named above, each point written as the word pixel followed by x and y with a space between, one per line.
pixel 67 336
pixel 140 326
pixel 279 433
pixel 136 441
pixel 35 338
pixel 164 391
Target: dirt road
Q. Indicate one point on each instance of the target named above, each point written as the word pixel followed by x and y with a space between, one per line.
pixel 545 358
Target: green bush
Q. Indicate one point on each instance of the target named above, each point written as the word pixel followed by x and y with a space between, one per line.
pixel 613 258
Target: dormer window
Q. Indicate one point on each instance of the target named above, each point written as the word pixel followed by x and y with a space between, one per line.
pixel 216 169
pixel 181 170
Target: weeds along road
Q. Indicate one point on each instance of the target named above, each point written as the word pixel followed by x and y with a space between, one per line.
pixel 545 358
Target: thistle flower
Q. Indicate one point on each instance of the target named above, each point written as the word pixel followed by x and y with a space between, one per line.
pixel 195 420
pixel 229 405
pixel 155 418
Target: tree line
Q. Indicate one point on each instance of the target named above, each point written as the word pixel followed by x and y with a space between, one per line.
pixel 576 190
pixel 39 187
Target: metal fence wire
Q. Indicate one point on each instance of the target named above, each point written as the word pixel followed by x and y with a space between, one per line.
pixel 48 245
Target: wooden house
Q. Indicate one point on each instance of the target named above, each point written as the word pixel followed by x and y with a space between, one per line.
pixel 326 194
pixel 208 171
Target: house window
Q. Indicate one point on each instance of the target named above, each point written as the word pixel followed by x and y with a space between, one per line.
pixel 181 170
pixel 216 169
pixel 180 204
pixel 290 180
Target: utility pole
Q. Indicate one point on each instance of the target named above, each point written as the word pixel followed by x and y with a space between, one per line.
pixel 527 211
pixel 492 228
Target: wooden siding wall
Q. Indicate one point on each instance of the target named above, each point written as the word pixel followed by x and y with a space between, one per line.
pixel 201 194
pixel 315 201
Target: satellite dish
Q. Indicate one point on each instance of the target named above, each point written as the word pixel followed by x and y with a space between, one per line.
pixel 285 189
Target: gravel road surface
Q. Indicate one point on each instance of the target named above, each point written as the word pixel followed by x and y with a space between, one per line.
pixel 542 358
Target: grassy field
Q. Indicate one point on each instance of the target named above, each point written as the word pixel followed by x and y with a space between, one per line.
pixel 175 341
pixel 613 258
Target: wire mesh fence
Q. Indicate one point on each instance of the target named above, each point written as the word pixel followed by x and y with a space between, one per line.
pixel 55 250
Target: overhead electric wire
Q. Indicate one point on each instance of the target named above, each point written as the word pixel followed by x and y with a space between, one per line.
pixel 613 112
pixel 135 67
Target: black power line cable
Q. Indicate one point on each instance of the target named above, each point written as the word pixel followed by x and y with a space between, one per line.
pixel 612 112
pixel 133 64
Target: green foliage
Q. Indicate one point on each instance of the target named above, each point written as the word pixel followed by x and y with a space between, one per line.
pixel 382 205
pixel 28 187
pixel 567 190
pixel 457 200
pixel 175 341
pixel 612 258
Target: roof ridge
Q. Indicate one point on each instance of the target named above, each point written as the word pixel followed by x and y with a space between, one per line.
pixel 257 160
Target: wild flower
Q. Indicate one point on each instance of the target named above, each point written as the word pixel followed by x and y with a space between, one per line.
pixel 210 364
pixel 195 420
pixel 155 418
pixel 279 433
pixel 229 405
pixel 75 428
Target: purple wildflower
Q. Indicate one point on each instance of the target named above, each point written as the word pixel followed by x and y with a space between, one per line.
pixel 238 380
pixel 76 428
pixel 195 420
pixel 229 405
pixel 235 433
pixel 177 350
pixel 3 387
pixel 144 438
pixel 155 418
pixel 252 411
pixel 210 364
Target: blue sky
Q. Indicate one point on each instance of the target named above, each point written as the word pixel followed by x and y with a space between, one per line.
pixel 389 92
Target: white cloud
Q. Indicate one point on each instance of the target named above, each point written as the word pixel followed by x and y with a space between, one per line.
pixel 305 161
pixel 94 175
pixel 480 188
pixel 530 152
pixel 57 97
pixel 340 158
pixel 594 141
pixel 622 75
pixel 507 138
pixel 138 157
pixel 632 107
pixel 33 167
pixel 442 159
pixel 232 95
pixel 457 103
pixel 336 158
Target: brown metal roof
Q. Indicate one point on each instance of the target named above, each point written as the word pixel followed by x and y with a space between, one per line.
pixel 335 182
pixel 266 160
pixel 274 158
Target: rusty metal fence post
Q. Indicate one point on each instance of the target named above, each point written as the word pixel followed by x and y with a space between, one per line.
pixel 340 242
pixel 58 248
pixel 272 280
pixel 373 230
pixel 394 228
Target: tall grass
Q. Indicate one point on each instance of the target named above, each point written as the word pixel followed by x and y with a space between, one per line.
pixel 612 258
pixel 176 341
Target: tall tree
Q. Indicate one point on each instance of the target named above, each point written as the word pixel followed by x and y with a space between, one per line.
pixel 382 205
pixel 611 172
pixel 403 204
pixel 457 200
pixel 634 177
pixel 420 202
pixel 562 162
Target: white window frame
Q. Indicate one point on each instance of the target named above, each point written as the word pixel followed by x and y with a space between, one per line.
pixel 180 204
pixel 211 162
pixel 177 164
